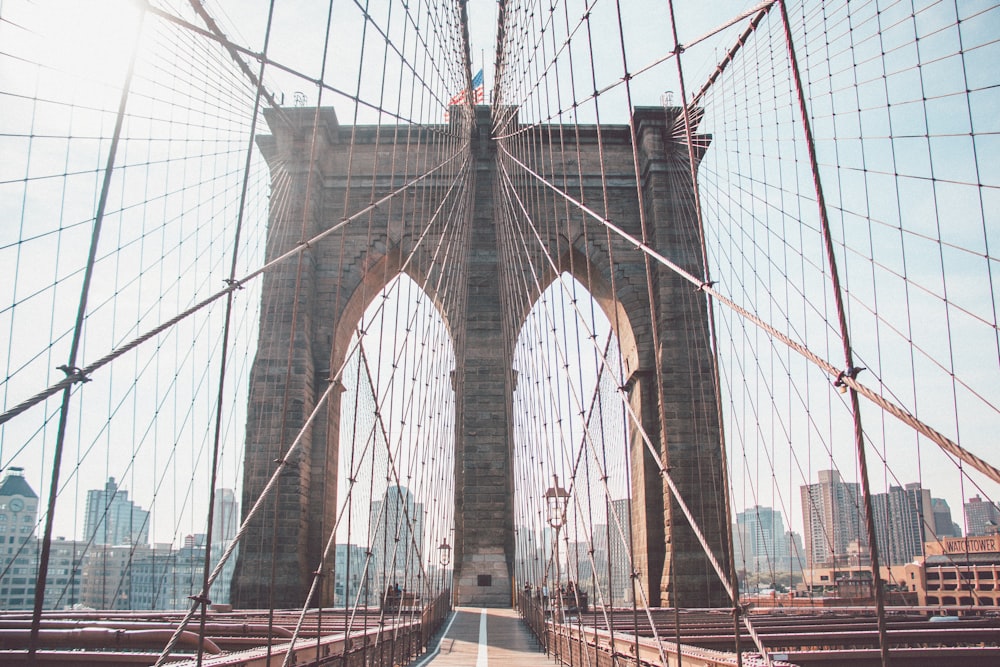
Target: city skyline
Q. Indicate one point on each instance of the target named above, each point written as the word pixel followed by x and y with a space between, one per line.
pixel 115 567
pixel 700 294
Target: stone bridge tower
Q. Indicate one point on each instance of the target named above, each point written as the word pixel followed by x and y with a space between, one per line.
pixel 336 281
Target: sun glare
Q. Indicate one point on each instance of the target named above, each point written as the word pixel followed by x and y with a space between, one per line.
pixel 92 41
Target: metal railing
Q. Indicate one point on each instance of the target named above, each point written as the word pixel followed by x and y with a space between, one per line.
pixel 232 638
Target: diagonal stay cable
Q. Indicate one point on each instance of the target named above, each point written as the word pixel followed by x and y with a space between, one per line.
pixel 199 8
pixel 664 472
pixel 757 12
pixel 260 92
pixel 70 368
pixel 271 483
pixel 587 442
pixel 512 197
pixel 283 463
pixel 841 377
pixel 713 333
pixel 379 422
pixel 238 49
pixel 82 374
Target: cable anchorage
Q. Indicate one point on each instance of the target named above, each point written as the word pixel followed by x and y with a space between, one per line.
pixel 73 373
pixel 850 372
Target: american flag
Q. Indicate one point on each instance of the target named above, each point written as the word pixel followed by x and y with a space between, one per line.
pixel 478 93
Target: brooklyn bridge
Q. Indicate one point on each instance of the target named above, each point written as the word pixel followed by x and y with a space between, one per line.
pixel 586 332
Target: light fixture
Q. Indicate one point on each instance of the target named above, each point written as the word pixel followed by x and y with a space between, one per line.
pixel 555 500
pixel 444 552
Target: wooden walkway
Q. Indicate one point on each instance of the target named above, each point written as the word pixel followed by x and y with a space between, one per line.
pixel 486 638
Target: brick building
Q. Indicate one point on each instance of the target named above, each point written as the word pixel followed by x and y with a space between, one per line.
pixel 963 572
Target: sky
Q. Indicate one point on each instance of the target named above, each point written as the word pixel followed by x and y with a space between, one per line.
pixel 922 272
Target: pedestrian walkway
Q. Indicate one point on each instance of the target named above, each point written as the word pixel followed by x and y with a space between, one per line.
pixel 476 637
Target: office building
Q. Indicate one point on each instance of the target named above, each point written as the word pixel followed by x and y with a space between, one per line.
pixel 225 517
pixel 348 576
pixel 904 520
pixel 944 526
pixel 982 517
pixel 831 514
pixel 619 548
pixel 397 534
pixel 761 543
pixel 114 519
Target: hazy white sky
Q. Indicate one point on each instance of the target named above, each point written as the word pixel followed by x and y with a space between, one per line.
pixel 784 432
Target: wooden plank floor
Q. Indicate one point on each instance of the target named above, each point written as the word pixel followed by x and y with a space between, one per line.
pixel 487 638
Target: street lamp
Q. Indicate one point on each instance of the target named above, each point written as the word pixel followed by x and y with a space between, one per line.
pixel 444 551
pixel 444 557
pixel 555 500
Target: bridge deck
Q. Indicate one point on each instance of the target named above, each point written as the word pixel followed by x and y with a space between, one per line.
pixel 484 637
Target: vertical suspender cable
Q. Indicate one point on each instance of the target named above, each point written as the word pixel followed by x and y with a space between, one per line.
pixel 654 312
pixel 70 368
pixel 202 598
pixel 713 338
pixel 849 370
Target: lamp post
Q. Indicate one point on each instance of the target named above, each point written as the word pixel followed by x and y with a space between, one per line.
pixel 555 501
pixel 444 557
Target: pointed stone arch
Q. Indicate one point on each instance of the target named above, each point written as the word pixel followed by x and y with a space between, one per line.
pixel 311 306
pixel 621 302
pixel 340 275
pixel 382 270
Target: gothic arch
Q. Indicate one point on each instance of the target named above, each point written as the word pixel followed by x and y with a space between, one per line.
pixel 593 279
pixel 380 273
pixel 342 273
pixel 627 309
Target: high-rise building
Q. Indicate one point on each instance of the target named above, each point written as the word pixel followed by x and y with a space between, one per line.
pixel 114 519
pixel 587 562
pixel 188 572
pixel 763 544
pixel 982 517
pixel 221 588
pixel 18 563
pixel 832 517
pixel 904 520
pixel 225 524
pixel 152 577
pixel 225 517
pixel 136 577
pixel 397 534
pixel 796 552
pixel 619 547
pixel 63 584
pixel 602 564
pixel 107 576
pixel 760 537
pixel 944 526
pixel 348 571
pixel 118 574
pixel 19 552
pixel 528 561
